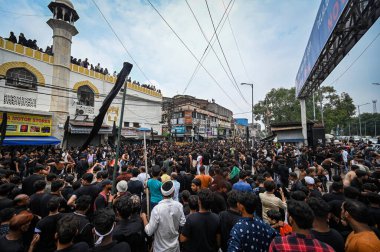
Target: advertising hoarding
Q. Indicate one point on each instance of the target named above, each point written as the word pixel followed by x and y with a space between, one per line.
pixel 327 17
pixel 28 125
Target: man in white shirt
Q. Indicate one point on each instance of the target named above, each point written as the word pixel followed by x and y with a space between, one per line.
pixel 345 159
pixel 165 220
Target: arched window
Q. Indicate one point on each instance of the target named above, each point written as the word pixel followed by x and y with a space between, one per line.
pixel 85 96
pixel 21 78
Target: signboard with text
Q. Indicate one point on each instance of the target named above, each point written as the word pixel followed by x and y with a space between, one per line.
pixel 327 17
pixel 28 125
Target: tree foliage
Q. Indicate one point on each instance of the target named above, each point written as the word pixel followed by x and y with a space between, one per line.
pixel 281 105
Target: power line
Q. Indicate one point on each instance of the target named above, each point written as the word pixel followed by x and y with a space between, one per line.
pixel 237 46
pixel 204 35
pixel 224 55
pixel 210 43
pixel 195 57
pixel 23 14
pixel 122 44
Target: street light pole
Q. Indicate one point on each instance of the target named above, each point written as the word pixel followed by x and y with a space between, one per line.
pixel 360 122
pixel 253 127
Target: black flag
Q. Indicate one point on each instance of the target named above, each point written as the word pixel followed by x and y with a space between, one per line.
pixel 98 121
pixel 3 128
pixel 66 132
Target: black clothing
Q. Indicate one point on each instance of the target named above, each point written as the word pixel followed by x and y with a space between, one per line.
pixel 45 200
pixel 113 247
pixel 11 245
pixel 28 183
pixel 227 220
pixel 35 203
pixel 135 187
pixel 374 214
pixel 357 184
pixel 315 193
pixel 5 203
pixel 132 232
pixel 82 168
pixel 186 209
pixel 297 185
pixel 77 247
pixel 219 202
pixel 84 230
pixel 90 190
pixel 47 227
pixel 333 196
pixel 67 191
pixel 201 230
pixel 332 238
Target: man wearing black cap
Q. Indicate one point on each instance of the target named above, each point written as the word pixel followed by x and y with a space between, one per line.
pixel 165 220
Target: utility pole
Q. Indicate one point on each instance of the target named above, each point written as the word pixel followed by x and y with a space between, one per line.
pixel 313 107
pixel 253 127
pixel 374 114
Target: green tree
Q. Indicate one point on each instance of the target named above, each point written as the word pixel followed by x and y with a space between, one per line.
pixel 281 105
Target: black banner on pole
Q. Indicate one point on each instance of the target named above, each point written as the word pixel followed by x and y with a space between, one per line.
pixel 3 127
pixel 98 121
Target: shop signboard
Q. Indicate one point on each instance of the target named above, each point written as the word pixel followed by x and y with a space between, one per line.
pixel 28 125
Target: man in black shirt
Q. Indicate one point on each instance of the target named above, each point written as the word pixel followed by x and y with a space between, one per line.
pixel 56 188
pixel 86 189
pixel 201 231
pixel 104 223
pixel 5 202
pixel 28 183
pixel 336 194
pixel 134 185
pixel 47 226
pixel 321 229
pixel 229 218
pixel 35 199
pixel 66 231
pixel 82 166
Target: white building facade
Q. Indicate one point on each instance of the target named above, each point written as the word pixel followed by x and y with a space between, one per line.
pixel 39 91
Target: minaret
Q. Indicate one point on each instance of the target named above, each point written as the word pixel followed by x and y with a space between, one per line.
pixel 62 23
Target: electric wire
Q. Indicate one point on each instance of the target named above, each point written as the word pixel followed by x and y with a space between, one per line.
pixel 23 14
pixel 195 57
pixel 224 55
pixel 211 42
pixel 122 44
pixel 212 48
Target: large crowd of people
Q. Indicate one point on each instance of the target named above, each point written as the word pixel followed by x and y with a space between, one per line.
pixel 214 196
pixel 22 40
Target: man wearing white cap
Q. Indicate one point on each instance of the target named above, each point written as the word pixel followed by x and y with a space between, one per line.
pixel 165 220
pixel 310 183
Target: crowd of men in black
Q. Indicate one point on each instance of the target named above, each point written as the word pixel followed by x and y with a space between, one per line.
pixel 22 40
pixel 55 200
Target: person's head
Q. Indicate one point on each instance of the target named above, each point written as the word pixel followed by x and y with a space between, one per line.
pixel 83 203
pixel 320 208
pixel 57 185
pixel 67 229
pixel 20 222
pixel 267 176
pixel 246 202
pixel 298 195
pixel 372 197
pixel 193 203
pixel 351 192
pixel 369 187
pixel 337 186
pixel 361 174
pixel 51 177
pixel 174 176
pixel 87 178
pixel 206 199
pixel 38 168
pixel 6 214
pixel 269 186
pixel 39 185
pixel 243 175
pixel 124 168
pixel 21 200
pixel 122 186
pixel 232 199
pixel 127 206
pixel 185 196
pixel 69 179
pixel 156 170
pixel 311 172
pixel 104 222
pixel 53 204
pixel 202 169
pixel 336 178
pixel 195 185
pixel 293 176
pixel 354 212
pixel 167 189
pixel 300 215
pixel 274 216
pixel 310 182
pixel 135 172
pixel 106 185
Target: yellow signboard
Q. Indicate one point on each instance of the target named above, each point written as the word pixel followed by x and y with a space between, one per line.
pixel 28 125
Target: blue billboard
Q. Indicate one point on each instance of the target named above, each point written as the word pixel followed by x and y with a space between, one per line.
pixel 241 121
pixel 327 17
pixel 178 130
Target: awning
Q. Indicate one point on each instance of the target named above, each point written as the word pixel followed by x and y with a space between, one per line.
pixel 87 130
pixel 19 140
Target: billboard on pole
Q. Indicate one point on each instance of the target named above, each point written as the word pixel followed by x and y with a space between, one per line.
pixel 327 17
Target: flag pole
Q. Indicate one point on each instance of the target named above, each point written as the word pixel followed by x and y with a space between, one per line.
pixel 116 165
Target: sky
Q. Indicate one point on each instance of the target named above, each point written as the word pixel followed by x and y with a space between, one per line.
pixel 269 35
